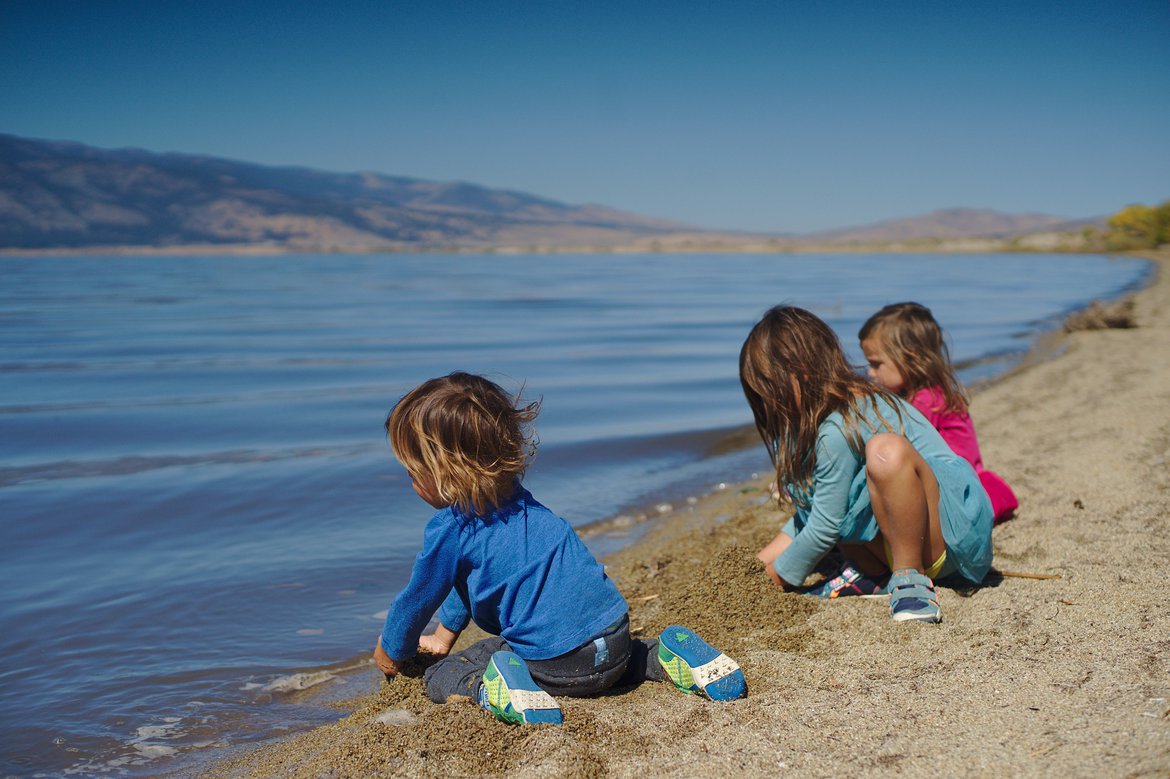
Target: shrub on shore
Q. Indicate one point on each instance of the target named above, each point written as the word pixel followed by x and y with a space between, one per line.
pixel 1139 227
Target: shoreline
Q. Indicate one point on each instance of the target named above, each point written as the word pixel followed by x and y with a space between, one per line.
pixel 1066 675
pixel 1039 243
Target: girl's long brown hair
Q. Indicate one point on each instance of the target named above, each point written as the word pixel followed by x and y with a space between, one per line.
pixel 794 374
pixel 465 435
pixel 913 340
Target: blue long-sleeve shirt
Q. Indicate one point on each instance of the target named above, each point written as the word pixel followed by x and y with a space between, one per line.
pixel 839 508
pixel 521 573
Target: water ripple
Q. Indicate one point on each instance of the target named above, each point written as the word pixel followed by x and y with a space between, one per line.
pixel 122 466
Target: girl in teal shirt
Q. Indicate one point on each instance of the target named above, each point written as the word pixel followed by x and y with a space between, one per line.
pixel 865 470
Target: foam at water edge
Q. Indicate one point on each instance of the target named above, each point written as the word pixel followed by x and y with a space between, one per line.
pixel 148 745
pixel 292 682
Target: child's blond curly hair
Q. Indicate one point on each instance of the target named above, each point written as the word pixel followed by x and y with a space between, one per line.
pixel 467 437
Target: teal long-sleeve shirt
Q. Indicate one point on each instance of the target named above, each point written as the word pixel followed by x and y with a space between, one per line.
pixel 839 508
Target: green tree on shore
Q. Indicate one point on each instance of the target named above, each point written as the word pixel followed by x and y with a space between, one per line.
pixel 1140 227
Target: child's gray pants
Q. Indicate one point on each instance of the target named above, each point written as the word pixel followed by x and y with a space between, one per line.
pixel 612 659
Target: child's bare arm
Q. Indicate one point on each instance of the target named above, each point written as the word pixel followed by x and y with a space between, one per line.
pixel 439 642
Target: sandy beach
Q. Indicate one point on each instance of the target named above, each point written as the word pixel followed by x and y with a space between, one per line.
pixel 1064 674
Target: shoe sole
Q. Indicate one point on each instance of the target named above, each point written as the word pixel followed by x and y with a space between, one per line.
pixel 509 692
pixel 910 616
pixel 697 667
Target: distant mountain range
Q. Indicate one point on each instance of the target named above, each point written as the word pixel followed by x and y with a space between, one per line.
pixel 55 194
pixel 66 195
pixel 954 223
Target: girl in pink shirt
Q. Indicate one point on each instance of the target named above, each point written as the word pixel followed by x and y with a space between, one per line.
pixel 907 355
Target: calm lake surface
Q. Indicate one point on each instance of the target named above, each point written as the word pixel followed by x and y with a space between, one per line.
pixel 200 512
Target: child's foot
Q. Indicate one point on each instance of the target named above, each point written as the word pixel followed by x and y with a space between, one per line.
pixel 696 666
pixel 849 581
pixel 912 597
pixel 509 692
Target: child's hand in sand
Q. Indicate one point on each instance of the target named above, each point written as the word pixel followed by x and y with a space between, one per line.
pixel 769 553
pixel 438 643
pixel 383 661
pixel 768 556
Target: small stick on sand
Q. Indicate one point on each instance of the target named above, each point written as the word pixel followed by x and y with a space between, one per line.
pixel 1023 575
pixel 644 598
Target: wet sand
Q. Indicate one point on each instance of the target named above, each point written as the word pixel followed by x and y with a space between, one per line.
pixel 1068 675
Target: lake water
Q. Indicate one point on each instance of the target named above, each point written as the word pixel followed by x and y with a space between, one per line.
pixel 200 513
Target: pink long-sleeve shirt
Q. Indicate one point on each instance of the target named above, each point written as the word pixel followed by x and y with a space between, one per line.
pixel 958 431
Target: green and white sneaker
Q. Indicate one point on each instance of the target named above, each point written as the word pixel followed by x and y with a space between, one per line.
pixel 508 692
pixel 697 667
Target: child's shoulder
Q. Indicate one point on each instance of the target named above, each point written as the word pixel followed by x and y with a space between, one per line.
pixel 868 407
pixel 834 437
pixel 933 403
pixel 522 504
pixel 443 521
pixel 931 393
pixel 535 510
pixel 929 399
pixel 831 425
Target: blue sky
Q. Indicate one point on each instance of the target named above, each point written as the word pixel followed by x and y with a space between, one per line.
pixel 771 116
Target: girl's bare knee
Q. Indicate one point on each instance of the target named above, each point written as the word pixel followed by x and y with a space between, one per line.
pixel 887 454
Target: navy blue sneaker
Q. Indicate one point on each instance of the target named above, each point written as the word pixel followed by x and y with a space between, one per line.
pixel 697 667
pixel 508 692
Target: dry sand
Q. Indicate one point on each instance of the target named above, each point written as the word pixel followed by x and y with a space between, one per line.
pixel 1024 677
